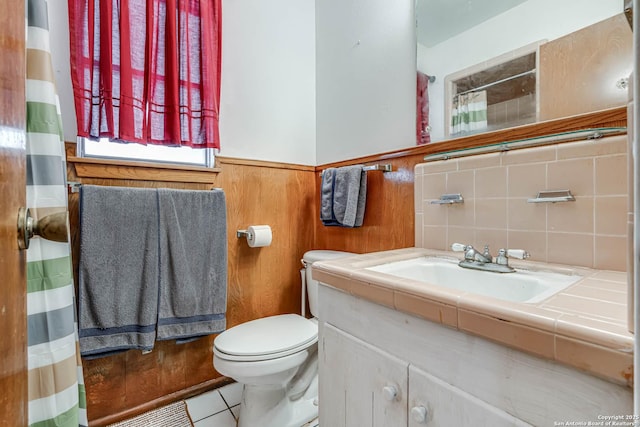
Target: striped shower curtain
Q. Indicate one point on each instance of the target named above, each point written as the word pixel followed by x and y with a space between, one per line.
pixel 56 386
pixel 469 113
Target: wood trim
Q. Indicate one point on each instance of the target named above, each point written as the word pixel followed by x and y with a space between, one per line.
pixel 613 117
pixel 162 401
pixel 263 164
pixel 142 171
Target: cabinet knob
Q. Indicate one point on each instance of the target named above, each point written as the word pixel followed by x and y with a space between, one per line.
pixel 390 392
pixel 419 414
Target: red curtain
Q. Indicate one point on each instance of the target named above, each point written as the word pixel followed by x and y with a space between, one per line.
pixel 422 109
pixel 147 71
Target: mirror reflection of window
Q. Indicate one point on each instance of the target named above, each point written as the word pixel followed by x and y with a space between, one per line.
pixel 497 97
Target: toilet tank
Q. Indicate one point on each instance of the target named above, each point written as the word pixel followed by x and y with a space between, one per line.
pixel 312 285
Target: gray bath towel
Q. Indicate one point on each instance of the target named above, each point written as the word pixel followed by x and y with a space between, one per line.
pixel 193 263
pixel 118 269
pixel 350 195
pixel 326 197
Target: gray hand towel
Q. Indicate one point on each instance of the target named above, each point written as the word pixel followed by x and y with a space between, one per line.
pixel 193 264
pixel 326 197
pixel 350 195
pixel 362 200
pixel 118 269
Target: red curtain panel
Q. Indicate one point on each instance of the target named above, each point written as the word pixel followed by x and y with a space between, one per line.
pixel 147 71
pixel 422 109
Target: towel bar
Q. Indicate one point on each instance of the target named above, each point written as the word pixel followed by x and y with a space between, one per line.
pixel 74 187
pixel 553 196
pixel 386 167
pixel 448 199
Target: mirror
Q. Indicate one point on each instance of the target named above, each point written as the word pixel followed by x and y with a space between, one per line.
pixel 462 39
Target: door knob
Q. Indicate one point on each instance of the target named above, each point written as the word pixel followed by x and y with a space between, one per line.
pixel 53 227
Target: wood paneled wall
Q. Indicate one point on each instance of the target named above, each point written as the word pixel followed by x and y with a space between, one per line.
pixel 261 282
pixel 266 281
pixel 389 214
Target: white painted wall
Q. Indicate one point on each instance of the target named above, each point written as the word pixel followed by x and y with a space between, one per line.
pixel 365 77
pixel 529 22
pixel 268 103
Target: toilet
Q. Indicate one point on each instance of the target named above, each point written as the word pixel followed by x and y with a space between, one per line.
pixel 276 360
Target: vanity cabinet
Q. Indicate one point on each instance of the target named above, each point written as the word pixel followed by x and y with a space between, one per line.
pixel 370 387
pixel 379 367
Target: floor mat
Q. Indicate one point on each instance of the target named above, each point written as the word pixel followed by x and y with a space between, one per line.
pixel 174 415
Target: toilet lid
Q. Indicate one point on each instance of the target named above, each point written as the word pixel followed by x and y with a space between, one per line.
pixel 267 336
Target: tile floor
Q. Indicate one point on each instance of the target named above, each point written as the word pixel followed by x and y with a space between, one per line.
pixel 219 407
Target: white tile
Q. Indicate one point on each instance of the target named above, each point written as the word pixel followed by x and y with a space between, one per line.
pixel 205 404
pixel 232 394
pixel 235 410
pixel 222 419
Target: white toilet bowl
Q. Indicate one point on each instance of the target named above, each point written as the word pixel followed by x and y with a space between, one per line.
pixel 265 355
pixel 276 360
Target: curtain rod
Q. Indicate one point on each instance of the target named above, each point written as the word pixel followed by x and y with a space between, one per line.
pixel 428 76
pixel 506 79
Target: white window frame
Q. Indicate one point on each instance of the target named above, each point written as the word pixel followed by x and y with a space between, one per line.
pixel 449 81
pixel 106 149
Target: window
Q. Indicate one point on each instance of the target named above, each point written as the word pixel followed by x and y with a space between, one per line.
pixel 151 153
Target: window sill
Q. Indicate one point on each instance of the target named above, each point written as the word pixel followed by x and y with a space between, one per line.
pixel 141 171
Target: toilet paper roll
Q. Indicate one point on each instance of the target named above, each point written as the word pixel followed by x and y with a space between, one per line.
pixel 259 236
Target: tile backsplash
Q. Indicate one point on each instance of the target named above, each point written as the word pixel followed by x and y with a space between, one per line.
pixel 589 232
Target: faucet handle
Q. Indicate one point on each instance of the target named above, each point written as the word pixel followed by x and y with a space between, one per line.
pixel 486 253
pixel 518 253
pixel 458 247
pixel 502 257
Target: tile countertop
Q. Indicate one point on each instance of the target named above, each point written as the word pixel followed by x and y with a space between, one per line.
pixel 583 326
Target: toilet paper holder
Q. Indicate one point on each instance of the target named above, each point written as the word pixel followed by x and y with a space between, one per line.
pixel 243 233
pixel 257 235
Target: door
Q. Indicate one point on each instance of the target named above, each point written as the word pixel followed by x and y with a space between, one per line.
pixel 13 310
pixel 360 385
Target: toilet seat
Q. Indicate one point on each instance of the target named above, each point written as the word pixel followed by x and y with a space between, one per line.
pixel 266 338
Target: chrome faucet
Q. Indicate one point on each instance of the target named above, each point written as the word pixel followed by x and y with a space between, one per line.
pixel 471 254
pixel 484 261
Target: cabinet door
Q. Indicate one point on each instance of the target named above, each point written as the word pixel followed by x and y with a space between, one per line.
pixel 357 383
pixel 448 406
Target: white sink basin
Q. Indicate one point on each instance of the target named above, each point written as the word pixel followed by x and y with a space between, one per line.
pixel 522 286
